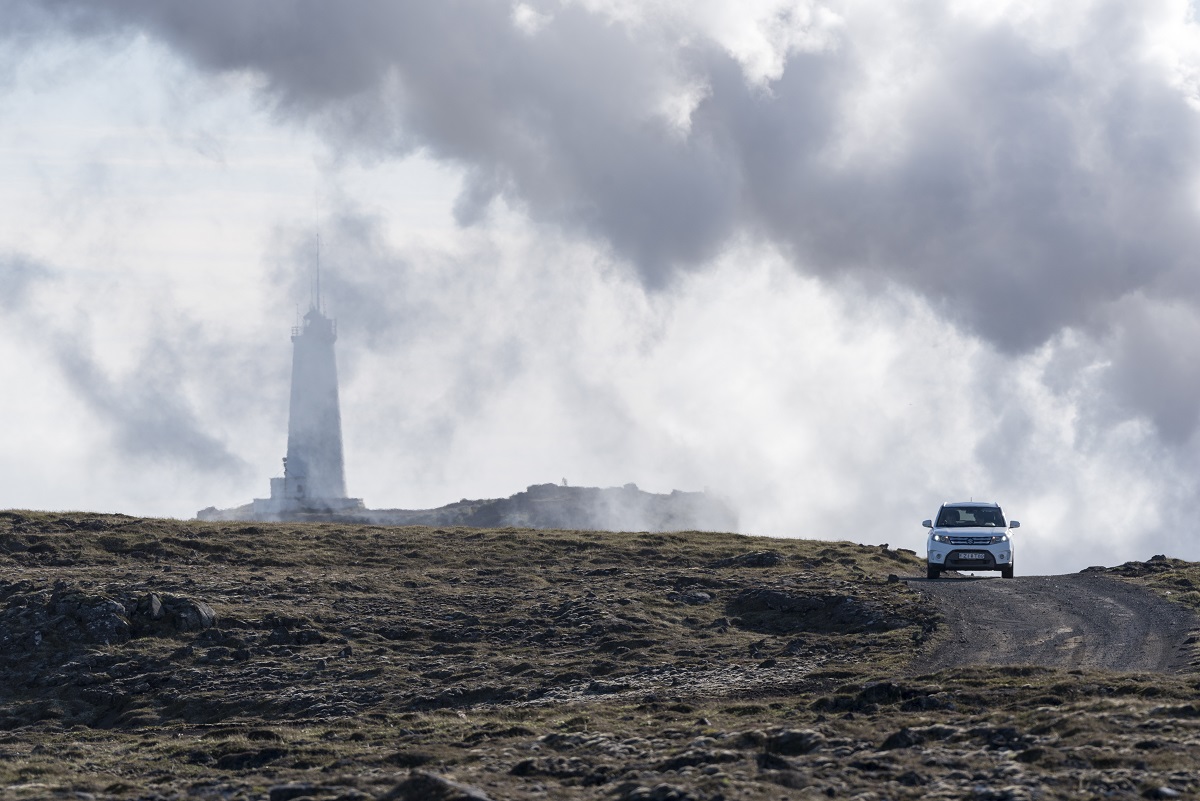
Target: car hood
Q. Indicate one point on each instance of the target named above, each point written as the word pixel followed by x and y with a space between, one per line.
pixel 973 531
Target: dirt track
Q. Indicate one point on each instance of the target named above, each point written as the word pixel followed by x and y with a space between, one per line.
pixel 1075 621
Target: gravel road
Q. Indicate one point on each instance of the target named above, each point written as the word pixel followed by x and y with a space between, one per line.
pixel 1074 621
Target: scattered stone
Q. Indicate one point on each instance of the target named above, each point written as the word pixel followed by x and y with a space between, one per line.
pixel 1162 792
pixel 284 635
pixel 794 742
pixel 408 759
pixel 183 652
pixel 999 737
pixel 561 768
pixel 188 614
pixel 157 615
pixel 287 792
pixel 1030 755
pixel 693 598
pixel 753 559
pixel 910 737
pixel 928 703
pixel 422 786
pixel 1008 793
pixel 749 739
pixel 597 687
pixel 699 756
pixel 660 792
pixel 884 692
pixel 102 619
pixel 769 761
pixel 905 738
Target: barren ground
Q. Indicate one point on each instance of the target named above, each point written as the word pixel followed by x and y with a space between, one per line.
pixel 1086 620
pixel 153 659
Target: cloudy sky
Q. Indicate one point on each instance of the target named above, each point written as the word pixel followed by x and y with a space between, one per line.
pixel 836 261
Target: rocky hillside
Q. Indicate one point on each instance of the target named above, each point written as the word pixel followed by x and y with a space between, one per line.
pixel 546 506
pixel 558 506
pixel 154 659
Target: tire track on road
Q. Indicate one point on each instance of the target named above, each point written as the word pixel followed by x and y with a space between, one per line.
pixel 1073 621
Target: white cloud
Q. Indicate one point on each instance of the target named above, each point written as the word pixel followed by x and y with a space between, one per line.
pixel 528 19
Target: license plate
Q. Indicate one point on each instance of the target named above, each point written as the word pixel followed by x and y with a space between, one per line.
pixel 971 556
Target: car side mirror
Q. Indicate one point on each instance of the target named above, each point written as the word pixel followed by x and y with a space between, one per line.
pixel 1014 523
pixel 927 523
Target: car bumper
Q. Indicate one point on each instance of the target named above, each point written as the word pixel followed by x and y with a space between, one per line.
pixel 970 558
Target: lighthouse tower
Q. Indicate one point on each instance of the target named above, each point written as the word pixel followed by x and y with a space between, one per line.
pixel 314 480
pixel 314 467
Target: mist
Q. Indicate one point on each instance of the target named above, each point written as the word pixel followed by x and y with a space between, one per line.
pixel 835 263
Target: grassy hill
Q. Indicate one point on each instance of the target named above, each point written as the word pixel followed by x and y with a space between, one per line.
pixel 178 659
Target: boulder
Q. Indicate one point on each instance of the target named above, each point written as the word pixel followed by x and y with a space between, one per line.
pixel 98 618
pixel 794 742
pixel 422 786
pixel 157 615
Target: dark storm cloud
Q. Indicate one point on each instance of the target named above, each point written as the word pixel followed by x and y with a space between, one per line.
pixel 1025 187
pixel 560 122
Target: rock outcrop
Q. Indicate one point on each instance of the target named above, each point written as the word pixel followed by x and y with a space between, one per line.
pixel 541 506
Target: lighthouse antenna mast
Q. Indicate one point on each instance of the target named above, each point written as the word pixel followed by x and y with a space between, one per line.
pixel 316 299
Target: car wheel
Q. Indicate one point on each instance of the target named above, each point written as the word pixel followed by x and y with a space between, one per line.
pixel 933 572
pixel 1006 571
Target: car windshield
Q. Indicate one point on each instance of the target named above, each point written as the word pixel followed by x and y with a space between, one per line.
pixel 958 516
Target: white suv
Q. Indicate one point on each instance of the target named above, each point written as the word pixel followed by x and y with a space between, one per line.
pixel 970 536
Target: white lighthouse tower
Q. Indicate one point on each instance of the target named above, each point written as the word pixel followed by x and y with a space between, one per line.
pixel 314 481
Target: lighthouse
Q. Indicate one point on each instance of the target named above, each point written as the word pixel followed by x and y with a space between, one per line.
pixel 314 480
pixel 314 467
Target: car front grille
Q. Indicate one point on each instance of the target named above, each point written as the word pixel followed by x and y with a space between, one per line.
pixel 970 540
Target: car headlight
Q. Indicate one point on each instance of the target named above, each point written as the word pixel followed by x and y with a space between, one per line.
pixel 941 537
pixel 1000 538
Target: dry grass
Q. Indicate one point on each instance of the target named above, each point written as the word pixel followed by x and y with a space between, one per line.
pixel 533 664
